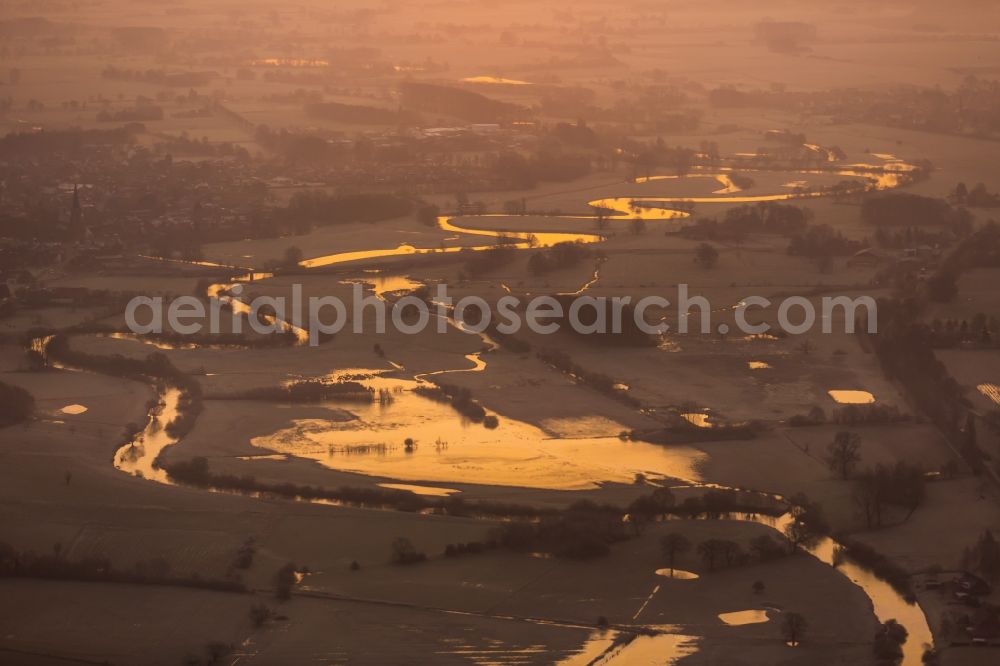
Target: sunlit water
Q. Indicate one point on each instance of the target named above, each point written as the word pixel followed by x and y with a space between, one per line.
pixel 427 491
pixel 383 285
pixel 851 397
pixel 886 602
pixel 138 457
pixel 235 299
pixel 740 618
pixel 698 420
pixel 724 179
pixel 495 80
pixel 677 574
pixel 650 208
pixel 448 448
pixel 991 391
pixel 659 650
pixel 515 239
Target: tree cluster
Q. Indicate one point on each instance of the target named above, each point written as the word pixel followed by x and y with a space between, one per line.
pixel 882 486
pixel 16 405
pixel 583 531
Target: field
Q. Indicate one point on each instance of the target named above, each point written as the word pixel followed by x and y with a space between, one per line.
pixel 620 424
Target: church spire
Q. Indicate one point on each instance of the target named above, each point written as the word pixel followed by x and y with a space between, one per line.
pixel 76 216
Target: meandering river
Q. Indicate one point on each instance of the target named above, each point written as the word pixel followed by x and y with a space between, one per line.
pixel 516 453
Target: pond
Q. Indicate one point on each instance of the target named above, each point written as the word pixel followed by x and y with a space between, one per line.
pixel 851 397
pixel 739 618
pixel 677 574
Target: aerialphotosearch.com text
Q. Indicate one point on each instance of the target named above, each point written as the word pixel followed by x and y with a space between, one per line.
pixel 322 316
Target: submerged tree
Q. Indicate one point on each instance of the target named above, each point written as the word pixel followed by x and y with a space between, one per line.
pixel 793 628
pixel 808 524
pixel 672 545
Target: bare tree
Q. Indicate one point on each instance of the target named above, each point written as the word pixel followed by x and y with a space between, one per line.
pixel 601 220
pixel 793 627
pixel 284 581
pixel 674 544
pixel 731 552
pixel 711 550
pixel 843 453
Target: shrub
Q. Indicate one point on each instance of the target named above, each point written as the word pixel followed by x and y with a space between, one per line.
pixel 284 581
pixel 260 614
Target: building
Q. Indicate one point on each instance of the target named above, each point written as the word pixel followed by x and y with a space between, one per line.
pixel 869 256
pixel 76 228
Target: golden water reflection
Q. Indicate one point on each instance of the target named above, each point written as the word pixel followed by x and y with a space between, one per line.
pixel 139 456
pixel 739 618
pixel 445 448
pixel 991 391
pixel 724 179
pixel 697 419
pixel 851 397
pixel 659 650
pixel 291 62
pixel 648 208
pixel 516 239
pixel 677 574
pixel 607 647
pixel 226 293
pixel 428 491
pixel 382 285
pixel 886 602
pixel 644 208
pixel 495 80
